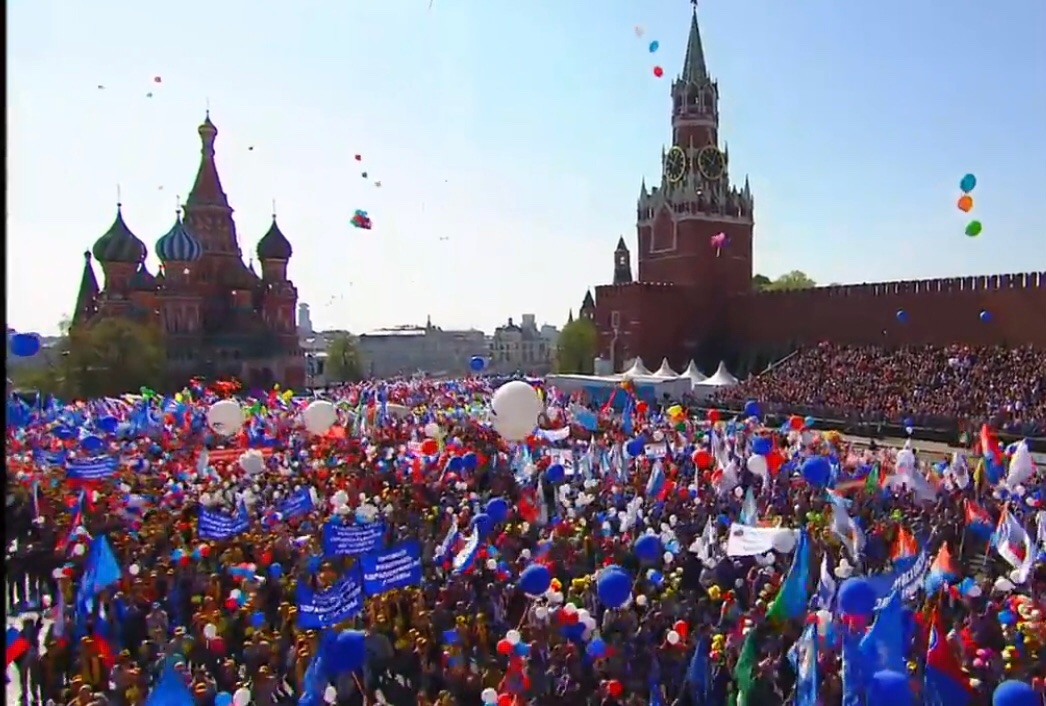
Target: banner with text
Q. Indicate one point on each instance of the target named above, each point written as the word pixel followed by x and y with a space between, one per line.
pixel 351 540
pixel 323 609
pixel 393 568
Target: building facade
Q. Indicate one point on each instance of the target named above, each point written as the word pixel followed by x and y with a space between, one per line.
pixel 522 347
pixel 218 316
pixel 406 350
pixel 693 297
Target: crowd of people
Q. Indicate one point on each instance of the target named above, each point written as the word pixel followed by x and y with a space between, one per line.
pixel 931 385
pixel 451 543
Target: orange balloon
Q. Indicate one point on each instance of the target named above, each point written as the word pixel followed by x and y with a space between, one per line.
pixel 965 203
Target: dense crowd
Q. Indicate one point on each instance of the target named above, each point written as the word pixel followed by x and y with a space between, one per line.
pixel 930 385
pixel 162 557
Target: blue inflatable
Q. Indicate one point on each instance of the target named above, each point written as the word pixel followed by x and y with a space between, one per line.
pixel 857 597
pixel 497 508
pixel 1015 693
pixel 613 587
pixel 889 687
pixel 761 445
pixel 348 653
pixel 477 363
pixel 817 471
pixel 535 579
pixel 752 409
pixel 24 345
pixel 483 523
pixel 647 547
pixel 555 473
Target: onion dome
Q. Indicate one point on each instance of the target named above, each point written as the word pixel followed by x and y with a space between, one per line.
pixel 143 280
pixel 274 244
pixel 179 245
pixel 119 244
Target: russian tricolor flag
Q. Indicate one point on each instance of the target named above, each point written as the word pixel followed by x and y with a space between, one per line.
pixel 17 645
pixel 978 520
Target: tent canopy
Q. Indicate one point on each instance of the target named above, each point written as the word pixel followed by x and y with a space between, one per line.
pixel 665 371
pixel 721 378
pixel 693 373
pixel 637 369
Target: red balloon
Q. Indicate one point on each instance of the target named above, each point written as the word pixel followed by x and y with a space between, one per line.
pixel 658 71
pixel 505 699
pixel 681 628
pixel 795 423
pixel 713 415
pixel 231 604
pixel 614 688
pixel 504 647
pixel 702 459
pixel 429 447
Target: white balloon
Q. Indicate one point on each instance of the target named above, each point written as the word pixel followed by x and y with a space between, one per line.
pixel 432 432
pixel 210 631
pixel 78 549
pixel 757 465
pixel 640 600
pixel 784 542
pixel 241 697
pixel 330 694
pixel 319 416
pixel 541 612
pixel 516 407
pixel 672 637
pixel 668 558
pixel 513 637
pixel 589 622
pixel 824 621
pixel 252 461
pixel 492 564
pixel 133 569
pixel 225 417
pixel 489 696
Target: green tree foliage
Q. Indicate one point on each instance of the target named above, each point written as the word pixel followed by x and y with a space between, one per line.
pixel 577 346
pixel 790 280
pixel 104 358
pixel 761 282
pixel 344 362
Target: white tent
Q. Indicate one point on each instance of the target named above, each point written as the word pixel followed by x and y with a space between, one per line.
pixel 637 369
pixel 721 378
pixel 665 371
pixel 693 373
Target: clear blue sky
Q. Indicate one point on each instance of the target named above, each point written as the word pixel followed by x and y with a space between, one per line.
pixel 519 131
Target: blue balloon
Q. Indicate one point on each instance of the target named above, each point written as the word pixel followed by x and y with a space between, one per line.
pixel 647 548
pixel 555 473
pixel 752 409
pixel 455 464
pixel 613 587
pixel 91 444
pixel 497 508
pixel 108 424
pixel 276 570
pixel 967 183
pixel 257 619
pixel 985 315
pixel 888 686
pixel 656 578
pixel 63 432
pixel 817 471
pixel 522 649
pixel 1015 693
pixel 477 363
pixel 24 345
pixel 902 315
pixel 348 653
pixel 761 445
pixel 470 461
pixel 654 45
pixel 223 698
pixel 636 446
pixel 535 579
pixel 857 597
pixel 809 422
pixel 596 648
pixel 483 523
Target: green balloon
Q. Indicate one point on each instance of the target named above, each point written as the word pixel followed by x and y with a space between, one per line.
pixel 973 228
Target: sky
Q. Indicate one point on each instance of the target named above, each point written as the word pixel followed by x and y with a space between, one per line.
pixel 510 140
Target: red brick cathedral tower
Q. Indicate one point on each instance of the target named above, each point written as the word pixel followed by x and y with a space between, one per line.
pixel 677 305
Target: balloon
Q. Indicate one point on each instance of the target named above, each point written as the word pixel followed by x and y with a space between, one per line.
pixel 613 586
pixel 432 430
pixel 535 580
pixel 319 416
pixel 489 696
pixel 857 597
pixel 515 408
pixel 902 315
pixel 702 459
pixel 889 687
pixel 654 45
pixel 596 648
pixel 506 699
pixel 647 547
pixel 513 637
pixel 210 631
pixel 752 409
pixel 497 508
pixel 24 345
pixel 241 697
pixel 973 228
pixel 482 523
pixel 1015 693
pixel 985 316
pixel 225 417
pixel 504 647
pixel 477 363
pixel 681 628
pixel 817 471
pixel 108 424
pixel 555 473
pixel 91 444
pixel 658 71
pixel 614 688
pixel 635 447
pixel 223 698
pixel 965 203
pixel 967 183
pixel 429 447
pixel 349 653
pixel 672 637
pixel 761 445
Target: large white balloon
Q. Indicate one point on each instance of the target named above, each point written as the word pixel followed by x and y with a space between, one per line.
pixel 241 697
pixel 516 407
pixel 225 417
pixel 252 461
pixel 319 416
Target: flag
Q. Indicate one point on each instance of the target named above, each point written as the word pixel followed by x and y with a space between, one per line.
pixel 874 480
pixel 749 509
pixel 945 683
pixel 698 677
pixel 316 678
pixel 17 645
pixel 790 601
pixel 942 570
pixel 100 571
pixel 803 657
pixel 904 545
pixel 883 646
pixel 1014 545
pixel 826 586
pixel 978 521
pixel 171 690
pixel 744 670
pixel 854 675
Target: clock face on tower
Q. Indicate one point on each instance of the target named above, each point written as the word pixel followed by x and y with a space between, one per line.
pixel 675 164
pixel 711 163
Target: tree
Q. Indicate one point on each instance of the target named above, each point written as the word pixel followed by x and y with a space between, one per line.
pixel 577 346
pixel 761 282
pixel 791 280
pixel 109 357
pixel 344 362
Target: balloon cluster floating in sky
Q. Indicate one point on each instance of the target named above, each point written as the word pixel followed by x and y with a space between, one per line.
pixel 965 204
pixel 360 219
pixel 651 48
pixel 718 241
pixel 156 79
pixel 364 174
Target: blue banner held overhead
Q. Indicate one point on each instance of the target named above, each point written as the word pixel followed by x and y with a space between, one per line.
pixel 95 468
pixel 298 504
pixel 393 568
pixel 218 525
pixel 324 609
pixel 352 540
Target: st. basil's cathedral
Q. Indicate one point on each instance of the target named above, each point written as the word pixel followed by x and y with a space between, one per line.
pixel 218 317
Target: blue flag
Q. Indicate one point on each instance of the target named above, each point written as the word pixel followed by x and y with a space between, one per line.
pixel 171 690
pixel 883 647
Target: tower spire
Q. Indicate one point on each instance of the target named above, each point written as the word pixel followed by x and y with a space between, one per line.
pixel 694 69
pixel 207 189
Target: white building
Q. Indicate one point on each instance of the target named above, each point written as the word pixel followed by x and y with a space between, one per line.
pixel 523 347
pixel 406 350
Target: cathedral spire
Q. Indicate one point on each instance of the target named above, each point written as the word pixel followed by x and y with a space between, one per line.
pixel 87 297
pixel 694 70
pixel 207 189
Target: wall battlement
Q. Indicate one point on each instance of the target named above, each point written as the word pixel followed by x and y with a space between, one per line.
pixel 944 285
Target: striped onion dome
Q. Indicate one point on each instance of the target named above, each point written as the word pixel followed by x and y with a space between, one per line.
pixel 179 245
pixel 274 244
pixel 119 244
